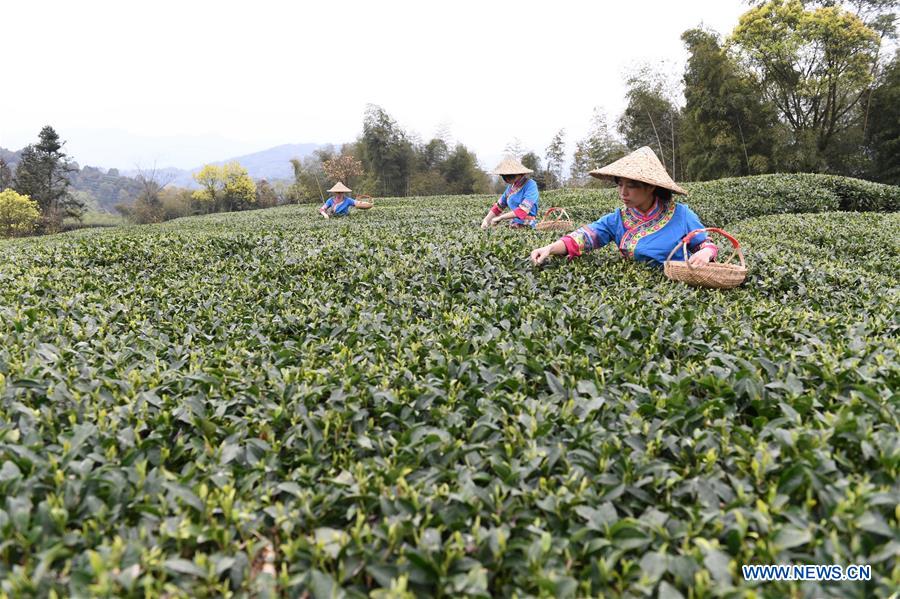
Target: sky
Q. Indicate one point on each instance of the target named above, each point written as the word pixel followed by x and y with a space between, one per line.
pixel 169 83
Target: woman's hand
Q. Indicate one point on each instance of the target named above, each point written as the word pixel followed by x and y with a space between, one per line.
pixel 702 257
pixel 540 255
pixel 487 222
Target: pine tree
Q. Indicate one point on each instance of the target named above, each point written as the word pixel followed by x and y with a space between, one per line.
pixel 43 175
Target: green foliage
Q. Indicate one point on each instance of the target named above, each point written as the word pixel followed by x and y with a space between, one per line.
pixel 651 118
pixel 461 173
pixel 266 197
pixel 442 419
pixel 19 214
pixel 726 128
pixel 814 64
pixel 533 161
pixel 598 148
pixel 883 130
pixel 43 175
pixel 387 152
pixel 105 189
pixel 555 156
pixel 6 177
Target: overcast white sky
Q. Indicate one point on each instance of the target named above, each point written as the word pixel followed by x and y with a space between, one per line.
pixel 186 82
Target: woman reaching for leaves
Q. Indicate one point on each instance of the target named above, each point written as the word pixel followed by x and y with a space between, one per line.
pixel 647 225
pixel 339 204
pixel 519 199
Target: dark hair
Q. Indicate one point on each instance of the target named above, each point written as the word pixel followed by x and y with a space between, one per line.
pixel 660 193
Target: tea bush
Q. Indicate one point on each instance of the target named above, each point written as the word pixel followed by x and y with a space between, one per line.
pixel 270 403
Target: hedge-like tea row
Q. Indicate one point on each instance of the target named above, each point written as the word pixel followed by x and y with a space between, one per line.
pixel 725 201
pixel 269 402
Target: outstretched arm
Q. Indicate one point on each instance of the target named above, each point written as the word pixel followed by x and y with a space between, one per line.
pixel 540 255
pixel 505 216
pixel 490 217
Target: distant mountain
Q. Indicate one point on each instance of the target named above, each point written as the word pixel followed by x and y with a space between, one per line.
pixel 271 164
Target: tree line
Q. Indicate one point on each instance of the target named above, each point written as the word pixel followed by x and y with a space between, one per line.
pixel 798 86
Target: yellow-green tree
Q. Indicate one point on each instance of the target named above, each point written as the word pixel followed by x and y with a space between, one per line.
pixel 814 64
pixel 224 188
pixel 19 214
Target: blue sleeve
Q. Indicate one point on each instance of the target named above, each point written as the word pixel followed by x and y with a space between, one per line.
pixel 502 201
pixel 692 223
pixel 595 235
pixel 352 201
pixel 328 203
pixel 529 198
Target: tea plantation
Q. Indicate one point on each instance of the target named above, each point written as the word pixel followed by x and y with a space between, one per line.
pixel 398 404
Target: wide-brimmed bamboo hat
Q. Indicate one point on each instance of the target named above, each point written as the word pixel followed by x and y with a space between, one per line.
pixel 339 188
pixel 640 165
pixel 511 166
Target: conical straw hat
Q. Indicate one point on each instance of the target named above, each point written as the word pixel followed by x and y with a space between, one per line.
pixel 640 165
pixel 339 188
pixel 511 166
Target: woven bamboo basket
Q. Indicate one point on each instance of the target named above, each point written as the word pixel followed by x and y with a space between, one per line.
pixel 715 275
pixel 556 219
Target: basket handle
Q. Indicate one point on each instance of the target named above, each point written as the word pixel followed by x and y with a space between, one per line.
pixel 560 213
pixel 363 196
pixel 735 245
pixel 734 242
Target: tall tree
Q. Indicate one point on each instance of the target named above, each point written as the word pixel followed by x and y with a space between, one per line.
pixel 265 195
pixel 815 64
pixel 533 161
pixel 555 155
pixel 386 152
pixel 726 129
pixel 598 148
pixel 883 133
pixel 432 154
pixel 515 148
pixel 43 174
pixel 651 117
pixel 225 188
pixel 460 171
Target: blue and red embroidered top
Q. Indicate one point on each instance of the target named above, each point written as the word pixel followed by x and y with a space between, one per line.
pixel 522 198
pixel 644 237
pixel 331 207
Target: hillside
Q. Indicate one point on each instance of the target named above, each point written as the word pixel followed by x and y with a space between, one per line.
pixel 398 399
pixel 99 188
pixel 102 189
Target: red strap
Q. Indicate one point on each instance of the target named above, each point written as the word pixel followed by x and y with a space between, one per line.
pixel 694 233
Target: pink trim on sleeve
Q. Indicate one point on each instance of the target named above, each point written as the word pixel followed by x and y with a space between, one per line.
pixel 496 209
pixel 520 213
pixel 571 247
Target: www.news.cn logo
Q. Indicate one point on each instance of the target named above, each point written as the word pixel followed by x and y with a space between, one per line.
pixel 806 573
